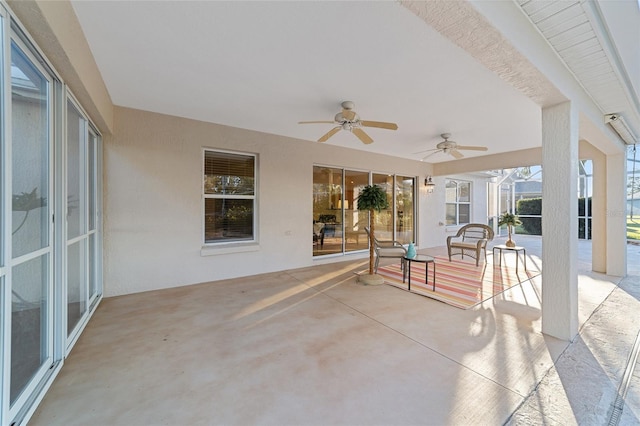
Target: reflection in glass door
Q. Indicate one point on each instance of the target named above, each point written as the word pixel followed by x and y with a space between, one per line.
pixel 77 291
pixel 355 220
pixel 30 266
pixel 338 225
pixel 83 276
pixel 384 218
pixel 48 268
pixel 327 211
pixel 92 200
pixel 404 209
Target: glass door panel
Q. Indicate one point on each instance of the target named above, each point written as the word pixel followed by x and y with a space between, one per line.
pixel 92 157
pixel 76 284
pixel 355 220
pixel 93 179
pixel 29 322
pixel 404 208
pixel 76 173
pixel 327 210
pixel 31 279
pixel 29 156
pixel 384 219
pixel 93 268
pixel 78 207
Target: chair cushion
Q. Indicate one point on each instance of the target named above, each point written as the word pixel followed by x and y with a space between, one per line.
pixel 460 244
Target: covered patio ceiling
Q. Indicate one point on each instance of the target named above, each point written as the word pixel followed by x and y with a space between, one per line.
pixel 265 66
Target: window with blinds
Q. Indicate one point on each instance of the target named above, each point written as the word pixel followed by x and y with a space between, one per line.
pixel 229 196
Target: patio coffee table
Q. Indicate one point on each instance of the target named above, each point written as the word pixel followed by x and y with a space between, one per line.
pixel 420 258
pixel 516 249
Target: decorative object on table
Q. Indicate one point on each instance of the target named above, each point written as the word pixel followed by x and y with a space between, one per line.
pixel 374 199
pixel 411 250
pixel 510 220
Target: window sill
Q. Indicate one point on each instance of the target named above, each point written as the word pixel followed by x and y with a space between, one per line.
pixel 228 249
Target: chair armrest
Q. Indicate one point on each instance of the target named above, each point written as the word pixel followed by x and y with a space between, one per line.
pixel 389 243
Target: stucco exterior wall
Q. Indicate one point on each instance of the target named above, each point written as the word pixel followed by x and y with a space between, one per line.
pixel 153 200
pixel 433 213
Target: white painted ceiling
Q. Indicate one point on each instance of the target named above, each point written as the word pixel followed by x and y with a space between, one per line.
pixel 267 65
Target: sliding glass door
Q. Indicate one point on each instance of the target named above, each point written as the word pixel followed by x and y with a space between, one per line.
pixel 29 269
pixel 77 237
pixel 81 207
pixel 50 226
pixel 338 225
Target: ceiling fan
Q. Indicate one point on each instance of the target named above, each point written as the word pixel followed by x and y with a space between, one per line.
pixel 348 120
pixel 452 148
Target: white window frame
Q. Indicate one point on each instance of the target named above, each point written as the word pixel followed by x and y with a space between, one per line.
pixel 457 202
pixel 254 197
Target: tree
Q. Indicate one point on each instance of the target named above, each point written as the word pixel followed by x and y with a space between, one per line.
pixel 374 199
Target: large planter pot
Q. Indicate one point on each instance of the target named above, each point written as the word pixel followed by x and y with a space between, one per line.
pixel 510 243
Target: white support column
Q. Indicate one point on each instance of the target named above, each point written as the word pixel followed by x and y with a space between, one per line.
pixel 616 215
pixel 599 215
pixel 560 221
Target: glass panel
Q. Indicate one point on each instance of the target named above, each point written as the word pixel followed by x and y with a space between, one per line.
pixel 450 213
pixel 30 155
pixel 226 173
pixel 451 191
pixel 327 210
pixel 76 283
pixel 29 332
pixel 384 218
pixel 228 219
pixel 464 215
pixel 92 180
pixel 404 208
pixel 464 192
pixel 93 279
pixel 76 136
pixel 355 220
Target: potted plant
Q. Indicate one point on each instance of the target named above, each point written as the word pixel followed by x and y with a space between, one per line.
pixel 374 199
pixel 510 220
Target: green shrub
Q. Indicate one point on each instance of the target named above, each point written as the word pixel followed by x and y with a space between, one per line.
pixel 533 207
pixel 530 206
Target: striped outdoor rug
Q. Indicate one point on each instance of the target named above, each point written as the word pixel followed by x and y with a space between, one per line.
pixel 458 283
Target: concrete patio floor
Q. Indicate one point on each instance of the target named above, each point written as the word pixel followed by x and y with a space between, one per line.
pixel 313 346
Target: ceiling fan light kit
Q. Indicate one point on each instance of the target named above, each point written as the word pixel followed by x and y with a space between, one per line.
pixel 348 120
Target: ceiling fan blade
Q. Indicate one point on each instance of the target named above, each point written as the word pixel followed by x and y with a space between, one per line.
pixel 456 154
pixel 329 134
pixel 473 148
pixel 380 124
pixel 348 114
pixel 316 122
pixel 362 135
pixel 435 151
pixel 426 150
